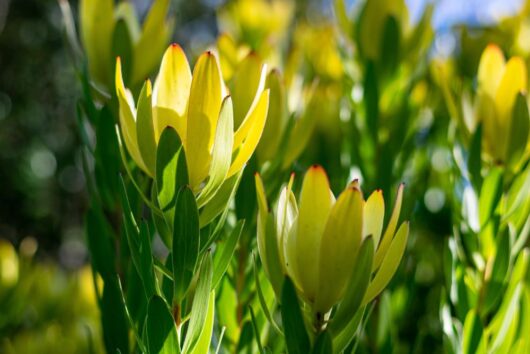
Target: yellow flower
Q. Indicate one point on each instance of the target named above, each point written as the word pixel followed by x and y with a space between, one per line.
pixel 260 24
pixel 499 83
pixel 108 30
pixel 318 242
pixel 199 108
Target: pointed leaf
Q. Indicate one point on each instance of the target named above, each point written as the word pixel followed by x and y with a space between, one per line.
pixel 225 252
pixel 185 242
pixel 221 153
pixel 145 130
pixel 199 309
pixel 205 338
pixel 296 336
pixel 390 263
pixel 160 328
pixel 171 172
pixel 356 289
pixel 250 141
pixel 388 236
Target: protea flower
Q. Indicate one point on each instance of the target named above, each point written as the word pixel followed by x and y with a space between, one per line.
pixel 200 109
pixel 318 242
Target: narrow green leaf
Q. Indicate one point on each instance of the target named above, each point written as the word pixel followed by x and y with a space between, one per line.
pixel 390 263
pixel 474 161
pixel 323 344
pixel 519 128
pixel 99 240
pixel 205 338
pixel 256 331
pixel 160 328
pixel 225 252
pixel 274 266
pixel 185 242
pixel 199 309
pixel 499 273
pixel 390 45
pixel 472 333
pixel 490 195
pixel 171 172
pixel 145 132
pixel 344 338
pixel 356 288
pixel 371 99
pixel 261 298
pixel 221 152
pixel 220 202
pixel 147 270
pixel 507 319
pixel 122 47
pixel 296 336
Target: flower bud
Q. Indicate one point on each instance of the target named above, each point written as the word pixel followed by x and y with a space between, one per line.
pixel 200 110
pixel 499 83
pixel 318 243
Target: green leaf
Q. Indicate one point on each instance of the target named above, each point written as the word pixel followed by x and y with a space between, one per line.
pixel 261 298
pixel 199 309
pixel 205 338
pixel 171 172
pixel 99 240
pixel 225 252
pixel 113 320
pixel 472 333
pixel 274 266
pixel 220 202
pixel 356 288
pixel 390 45
pixel 122 47
pixel 160 328
pixel 296 336
pixel 390 263
pixel 185 242
pixel 256 331
pixel 490 195
pixel 371 99
pixel 344 338
pixel 507 319
pixel 221 152
pixel 499 273
pixel 323 344
pixel 474 161
pixel 145 132
pixel 519 127
pixel 147 270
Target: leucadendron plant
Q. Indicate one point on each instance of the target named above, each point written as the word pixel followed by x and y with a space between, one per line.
pixel 486 307
pixel 332 254
pixel 200 115
pixel 190 140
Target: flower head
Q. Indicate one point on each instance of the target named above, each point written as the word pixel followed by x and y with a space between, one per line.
pixel 499 83
pixel 318 241
pixel 200 109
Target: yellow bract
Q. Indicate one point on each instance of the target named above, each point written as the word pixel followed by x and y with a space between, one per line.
pixel 193 106
pixel 499 82
pixel 319 242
